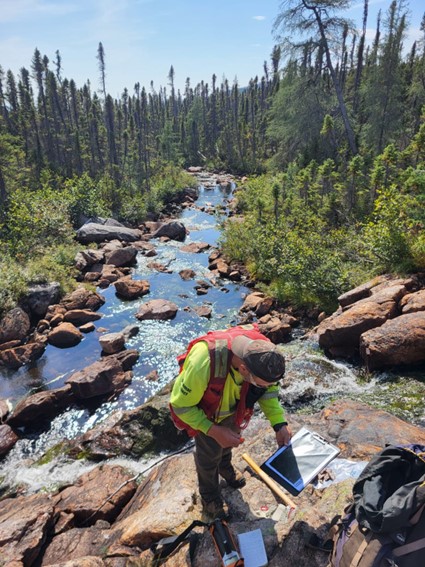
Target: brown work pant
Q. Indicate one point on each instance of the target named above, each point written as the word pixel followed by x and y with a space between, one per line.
pixel 212 460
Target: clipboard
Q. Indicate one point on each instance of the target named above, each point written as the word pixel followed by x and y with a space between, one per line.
pixel 295 465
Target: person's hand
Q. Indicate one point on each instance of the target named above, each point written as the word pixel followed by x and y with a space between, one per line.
pixel 224 436
pixel 283 436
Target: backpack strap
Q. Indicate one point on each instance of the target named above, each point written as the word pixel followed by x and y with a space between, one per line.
pixel 361 549
pixel 409 547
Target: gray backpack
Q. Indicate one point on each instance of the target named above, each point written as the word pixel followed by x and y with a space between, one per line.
pixel 385 526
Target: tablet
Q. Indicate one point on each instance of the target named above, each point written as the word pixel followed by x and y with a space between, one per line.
pixel 295 465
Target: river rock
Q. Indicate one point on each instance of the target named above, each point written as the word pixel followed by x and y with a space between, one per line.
pixel 413 302
pixel 122 256
pixel 257 302
pixel 15 325
pixel 187 274
pixel 204 311
pixel 399 341
pixel 25 354
pixel 99 494
pixel 41 406
pixel 64 335
pixel 128 288
pixel 94 232
pixel 112 342
pixel 39 297
pixel 87 258
pixel 175 230
pixel 195 247
pixel 8 438
pixel 5 407
pixel 82 562
pixel 361 291
pixel 158 309
pixel 25 523
pixel 275 329
pixel 82 298
pixel 343 331
pixel 100 378
pixel 81 316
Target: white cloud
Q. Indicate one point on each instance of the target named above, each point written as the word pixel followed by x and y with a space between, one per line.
pixel 259 18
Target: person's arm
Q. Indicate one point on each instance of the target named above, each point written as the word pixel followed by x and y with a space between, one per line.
pixel 272 409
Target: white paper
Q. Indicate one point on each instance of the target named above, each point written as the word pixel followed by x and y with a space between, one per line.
pixel 251 546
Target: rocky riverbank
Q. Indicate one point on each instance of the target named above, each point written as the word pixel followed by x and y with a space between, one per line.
pixel 110 517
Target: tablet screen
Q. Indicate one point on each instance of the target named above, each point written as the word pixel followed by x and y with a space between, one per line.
pixel 295 465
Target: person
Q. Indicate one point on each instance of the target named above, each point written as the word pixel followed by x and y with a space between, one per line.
pixel 223 374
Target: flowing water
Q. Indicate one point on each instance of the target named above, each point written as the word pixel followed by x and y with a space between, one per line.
pixel 311 381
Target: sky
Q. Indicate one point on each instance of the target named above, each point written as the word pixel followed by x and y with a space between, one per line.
pixel 143 38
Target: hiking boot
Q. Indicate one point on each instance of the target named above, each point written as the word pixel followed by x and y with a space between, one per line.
pixel 238 481
pixel 214 510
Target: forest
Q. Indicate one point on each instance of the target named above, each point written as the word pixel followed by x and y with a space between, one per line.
pixel 331 140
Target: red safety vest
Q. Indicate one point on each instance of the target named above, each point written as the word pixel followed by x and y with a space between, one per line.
pixel 219 347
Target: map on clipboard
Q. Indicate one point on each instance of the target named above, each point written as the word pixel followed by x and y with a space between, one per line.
pixel 295 465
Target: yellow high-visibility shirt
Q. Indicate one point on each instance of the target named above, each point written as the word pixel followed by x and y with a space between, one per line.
pixel 192 382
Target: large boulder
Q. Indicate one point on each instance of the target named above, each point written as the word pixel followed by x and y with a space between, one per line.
pixel 15 325
pixel 122 256
pixel 87 258
pixel 82 298
pixel 41 406
pixel 65 335
pixel 39 297
pixel 80 316
pixel 157 309
pixel 94 232
pixel 25 354
pixel 128 288
pixel 413 302
pixel 399 341
pixel 175 230
pixel 257 302
pixel 102 377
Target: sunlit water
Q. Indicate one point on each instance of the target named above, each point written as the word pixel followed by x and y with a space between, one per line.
pixel 311 380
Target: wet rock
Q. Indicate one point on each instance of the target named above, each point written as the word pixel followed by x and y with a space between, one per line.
pixel 82 298
pixel 86 561
pixel 204 311
pixel 413 302
pixel 112 342
pixel 399 341
pixel 81 316
pixel 65 335
pixel 152 376
pixel 24 525
pixel 158 309
pixel 19 356
pixel 187 274
pixel 100 494
pixel 195 247
pixel 97 379
pixel 87 328
pixel 15 325
pixel 127 358
pixel 41 406
pixel 122 256
pixel 39 297
pixel 110 274
pixel 8 438
pixel 158 267
pixel 131 331
pixel 175 230
pixel 10 344
pixel 131 289
pixel 94 232
pixel 5 407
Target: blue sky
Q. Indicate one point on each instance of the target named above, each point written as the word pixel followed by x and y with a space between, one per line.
pixel 143 38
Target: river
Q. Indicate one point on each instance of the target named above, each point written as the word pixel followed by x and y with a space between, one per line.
pixel 311 382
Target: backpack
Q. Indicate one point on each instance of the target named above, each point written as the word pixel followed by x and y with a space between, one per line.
pixel 385 525
pixel 219 345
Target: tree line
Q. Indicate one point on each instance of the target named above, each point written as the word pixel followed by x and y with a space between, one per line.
pixel 328 123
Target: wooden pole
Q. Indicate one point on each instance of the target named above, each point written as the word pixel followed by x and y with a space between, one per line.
pixel 269 481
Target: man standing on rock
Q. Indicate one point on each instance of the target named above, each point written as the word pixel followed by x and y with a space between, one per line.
pixel 222 375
